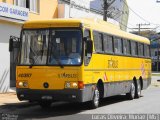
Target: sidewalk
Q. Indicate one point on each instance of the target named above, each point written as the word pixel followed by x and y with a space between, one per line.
pixel 6 98
pixel 12 90
pixel 154 81
pixel 155 73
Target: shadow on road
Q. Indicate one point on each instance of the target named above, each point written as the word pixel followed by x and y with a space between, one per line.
pixel 33 110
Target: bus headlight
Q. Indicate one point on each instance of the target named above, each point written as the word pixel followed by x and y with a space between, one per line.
pixel 71 85
pixel 74 84
pixel 23 84
pixel 20 84
pixel 68 85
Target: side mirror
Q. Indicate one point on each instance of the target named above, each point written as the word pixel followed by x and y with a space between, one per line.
pixel 10 44
pixel 14 42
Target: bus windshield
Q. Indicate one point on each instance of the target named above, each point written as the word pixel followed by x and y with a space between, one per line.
pixel 51 47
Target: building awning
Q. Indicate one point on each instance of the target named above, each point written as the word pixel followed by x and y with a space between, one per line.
pixel 11 20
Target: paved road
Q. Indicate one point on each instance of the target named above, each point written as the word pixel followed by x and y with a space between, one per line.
pixel 148 103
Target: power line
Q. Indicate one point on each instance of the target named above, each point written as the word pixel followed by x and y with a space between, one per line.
pixel 126 26
pixel 138 14
pixel 135 14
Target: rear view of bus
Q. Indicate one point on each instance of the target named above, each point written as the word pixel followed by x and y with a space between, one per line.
pixel 50 60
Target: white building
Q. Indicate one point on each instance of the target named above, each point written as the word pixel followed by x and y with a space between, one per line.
pixel 81 9
pixel 11 19
pixel 118 11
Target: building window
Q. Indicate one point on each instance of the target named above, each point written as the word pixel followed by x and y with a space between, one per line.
pixel 32 5
pixel 21 3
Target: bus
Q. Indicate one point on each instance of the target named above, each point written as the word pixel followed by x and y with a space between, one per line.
pixel 80 60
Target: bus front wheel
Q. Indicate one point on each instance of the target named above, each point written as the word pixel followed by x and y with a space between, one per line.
pixel 96 99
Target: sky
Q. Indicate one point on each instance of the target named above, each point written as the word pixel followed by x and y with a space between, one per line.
pixel 149 10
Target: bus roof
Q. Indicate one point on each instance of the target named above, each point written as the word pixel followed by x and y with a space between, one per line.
pixel 94 24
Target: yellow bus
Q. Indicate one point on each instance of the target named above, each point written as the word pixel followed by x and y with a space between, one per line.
pixel 80 60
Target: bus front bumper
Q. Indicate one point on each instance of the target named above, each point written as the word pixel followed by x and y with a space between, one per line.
pixel 71 95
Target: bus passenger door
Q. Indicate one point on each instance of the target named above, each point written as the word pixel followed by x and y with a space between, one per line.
pixel 88 73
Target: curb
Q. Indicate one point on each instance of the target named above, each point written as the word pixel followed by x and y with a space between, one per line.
pixel 156 84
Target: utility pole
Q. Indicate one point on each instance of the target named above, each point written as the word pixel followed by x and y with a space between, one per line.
pixel 139 27
pixel 106 5
pixel 105 8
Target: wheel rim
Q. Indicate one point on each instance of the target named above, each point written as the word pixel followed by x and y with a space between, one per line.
pixel 96 97
pixel 139 90
pixel 133 90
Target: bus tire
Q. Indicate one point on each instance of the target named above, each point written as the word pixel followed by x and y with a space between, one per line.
pixel 138 89
pixel 96 99
pixel 45 104
pixel 131 94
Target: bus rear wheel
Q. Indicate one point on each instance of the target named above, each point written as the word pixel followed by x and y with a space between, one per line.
pixel 96 99
pixel 138 89
pixel 45 104
pixel 131 94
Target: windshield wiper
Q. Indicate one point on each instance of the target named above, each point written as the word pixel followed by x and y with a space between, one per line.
pixel 59 63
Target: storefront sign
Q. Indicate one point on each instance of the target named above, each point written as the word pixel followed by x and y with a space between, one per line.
pixel 12 11
pixel 85 4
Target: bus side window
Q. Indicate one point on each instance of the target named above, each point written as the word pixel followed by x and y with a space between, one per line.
pixel 117 45
pixel 98 42
pixel 146 51
pixel 140 49
pixel 87 33
pixel 126 47
pixel 134 48
pixel 108 43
